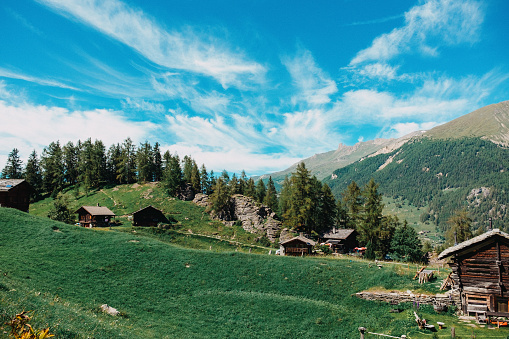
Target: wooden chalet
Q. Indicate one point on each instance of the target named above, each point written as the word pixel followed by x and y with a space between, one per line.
pixel 480 274
pixel 297 246
pixel 340 240
pixel 94 216
pixel 148 216
pixel 15 193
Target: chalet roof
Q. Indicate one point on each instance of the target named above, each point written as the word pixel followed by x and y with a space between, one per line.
pixel 338 234
pixel 301 238
pixel 148 207
pixel 474 241
pixel 7 184
pixel 96 210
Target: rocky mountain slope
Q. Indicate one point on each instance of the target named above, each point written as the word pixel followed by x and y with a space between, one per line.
pixel 255 218
pixel 490 123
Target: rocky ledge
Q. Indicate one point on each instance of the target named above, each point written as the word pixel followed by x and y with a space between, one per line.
pixel 255 218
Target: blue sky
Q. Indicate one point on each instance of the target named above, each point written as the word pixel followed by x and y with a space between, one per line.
pixel 254 85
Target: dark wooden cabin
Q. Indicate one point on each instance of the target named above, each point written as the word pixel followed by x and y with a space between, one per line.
pixel 148 216
pixel 94 216
pixel 15 193
pixel 297 246
pixel 480 274
pixel 340 240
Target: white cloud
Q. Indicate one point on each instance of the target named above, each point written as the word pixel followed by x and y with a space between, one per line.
pixel 142 105
pixel 428 27
pixel 235 160
pixel 437 99
pixel 45 82
pixel 184 50
pixel 314 85
pixel 28 127
pixel 401 129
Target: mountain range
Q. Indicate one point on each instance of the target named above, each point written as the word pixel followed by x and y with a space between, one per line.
pixel 461 164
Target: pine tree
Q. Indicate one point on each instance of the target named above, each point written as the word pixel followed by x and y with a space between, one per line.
pixel 405 244
pixel 250 190
pixel 233 185
pixel 14 167
pixel 195 178
pixel 260 190
pixel 33 175
pixel 352 200
pixel 242 182
pixel 53 168
pixel 270 199
pixel 126 172
pixel 373 207
pixel 70 153
pixel 172 175
pixel 342 217
pixel 60 210
pixel 301 212
pixel 327 210
pixel 145 162
pixel 187 170
pixel 285 196
pixel 204 180
pixel 158 162
pixel 112 161
pixel 220 197
pixel 460 227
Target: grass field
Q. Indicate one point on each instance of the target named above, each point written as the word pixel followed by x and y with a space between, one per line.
pixel 64 273
pixel 126 199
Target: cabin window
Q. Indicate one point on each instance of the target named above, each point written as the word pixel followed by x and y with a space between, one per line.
pixel 502 305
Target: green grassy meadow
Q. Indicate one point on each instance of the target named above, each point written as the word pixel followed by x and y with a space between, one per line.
pixel 63 273
pixel 126 199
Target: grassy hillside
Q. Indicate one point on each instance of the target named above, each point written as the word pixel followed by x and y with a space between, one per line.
pixel 189 221
pixel 489 122
pixel 64 273
pixel 440 174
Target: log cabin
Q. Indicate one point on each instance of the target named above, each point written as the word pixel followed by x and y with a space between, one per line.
pixel 148 216
pixel 94 216
pixel 340 240
pixel 480 274
pixel 15 193
pixel 297 246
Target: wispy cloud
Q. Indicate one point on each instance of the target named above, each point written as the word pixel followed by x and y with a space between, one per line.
pixel 142 105
pixel 427 27
pixel 183 50
pixel 314 86
pixel 374 21
pixel 5 73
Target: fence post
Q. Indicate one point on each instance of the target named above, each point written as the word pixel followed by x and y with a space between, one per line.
pixel 453 333
pixel 362 330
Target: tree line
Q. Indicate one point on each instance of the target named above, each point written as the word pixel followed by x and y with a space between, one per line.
pixel 304 204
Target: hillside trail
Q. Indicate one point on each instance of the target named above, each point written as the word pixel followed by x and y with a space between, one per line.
pixel 217 237
pixel 115 203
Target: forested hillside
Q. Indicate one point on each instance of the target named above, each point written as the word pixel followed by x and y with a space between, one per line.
pixel 440 173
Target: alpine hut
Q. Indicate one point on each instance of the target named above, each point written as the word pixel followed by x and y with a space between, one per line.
pixel 148 216
pixel 340 240
pixel 15 193
pixel 94 216
pixel 297 246
pixel 480 274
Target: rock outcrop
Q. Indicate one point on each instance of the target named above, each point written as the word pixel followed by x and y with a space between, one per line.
pixel 255 218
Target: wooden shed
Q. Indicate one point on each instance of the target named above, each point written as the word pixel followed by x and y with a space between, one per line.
pixel 148 216
pixel 297 246
pixel 94 216
pixel 340 240
pixel 15 193
pixel 480 273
